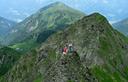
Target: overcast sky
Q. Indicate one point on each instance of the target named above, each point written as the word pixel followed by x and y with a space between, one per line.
pixel 17 10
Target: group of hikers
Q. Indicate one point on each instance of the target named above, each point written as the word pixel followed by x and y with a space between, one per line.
pixel 68 48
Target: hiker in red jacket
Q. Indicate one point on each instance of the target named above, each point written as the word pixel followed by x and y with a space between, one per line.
pixel 65 50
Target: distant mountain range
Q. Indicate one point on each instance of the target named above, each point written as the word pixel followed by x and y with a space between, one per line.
pixel 5 26
pixel 46 21
pixel 122 26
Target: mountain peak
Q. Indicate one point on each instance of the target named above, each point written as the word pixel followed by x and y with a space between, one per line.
pixel 97 16
pixel 55 5
pixel 54 16
pixel 58 3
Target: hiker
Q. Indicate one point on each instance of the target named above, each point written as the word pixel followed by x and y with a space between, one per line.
pixel 70 48
pixel 65 50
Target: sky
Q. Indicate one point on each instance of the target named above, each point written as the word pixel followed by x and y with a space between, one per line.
pixel 18 10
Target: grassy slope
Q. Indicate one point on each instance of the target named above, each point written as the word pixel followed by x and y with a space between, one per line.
pixel 112 49
pixel 25 46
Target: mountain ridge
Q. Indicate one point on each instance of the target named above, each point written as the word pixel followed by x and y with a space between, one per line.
pixel 101 49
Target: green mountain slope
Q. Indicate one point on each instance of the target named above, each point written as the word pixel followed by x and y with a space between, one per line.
pixel 8 58
pixel 101 56
pixel 122 26
pixel 55 16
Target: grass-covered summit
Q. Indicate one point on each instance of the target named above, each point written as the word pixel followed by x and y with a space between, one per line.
pixel 55 16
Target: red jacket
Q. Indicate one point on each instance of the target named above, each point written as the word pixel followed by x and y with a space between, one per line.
pixel 65 50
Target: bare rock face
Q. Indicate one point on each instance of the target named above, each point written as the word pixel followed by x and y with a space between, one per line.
pixel 68 68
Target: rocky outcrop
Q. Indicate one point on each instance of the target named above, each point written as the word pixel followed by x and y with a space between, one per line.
pixel 68 68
